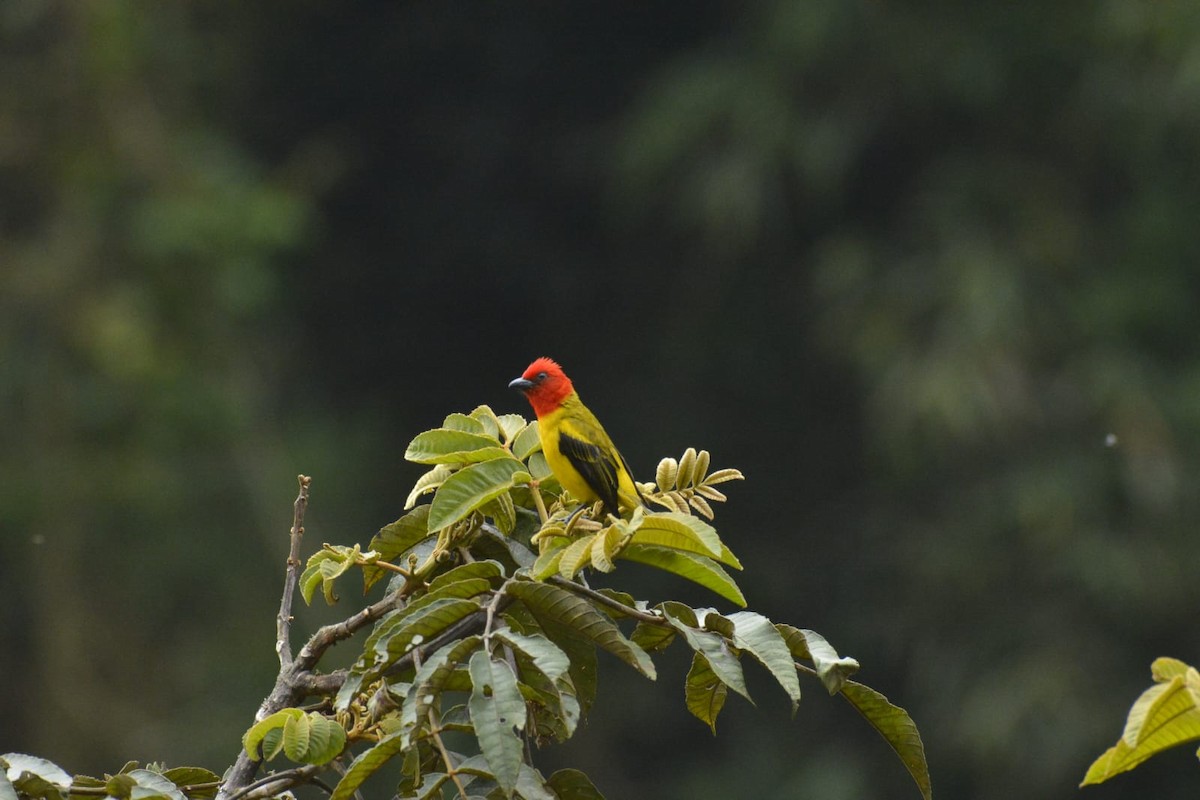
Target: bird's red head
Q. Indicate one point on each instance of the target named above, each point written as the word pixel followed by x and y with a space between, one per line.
pixel 545 385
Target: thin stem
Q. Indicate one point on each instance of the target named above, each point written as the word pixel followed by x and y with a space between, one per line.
pixel 283 625
pixel 537 500
pixel 435 731
pixel 604 600
pixel 101 791
pixel 806 669
pixel 387 565
pixel 491 610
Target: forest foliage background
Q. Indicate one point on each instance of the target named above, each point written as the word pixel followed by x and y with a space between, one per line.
pixel 926 273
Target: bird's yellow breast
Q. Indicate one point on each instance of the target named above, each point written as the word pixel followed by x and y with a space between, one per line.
pixel 572 418
pixel 549 428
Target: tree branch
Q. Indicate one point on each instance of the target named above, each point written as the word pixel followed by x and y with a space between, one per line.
pixel 271 785
pixel 283 625
pixel 329 635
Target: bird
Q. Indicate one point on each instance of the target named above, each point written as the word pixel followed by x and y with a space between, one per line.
pixel 579 451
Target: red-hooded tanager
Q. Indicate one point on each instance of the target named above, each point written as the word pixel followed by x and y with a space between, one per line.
pixel 579 452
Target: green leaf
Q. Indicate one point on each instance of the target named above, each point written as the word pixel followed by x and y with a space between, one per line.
pixel 313 576
pixel 502 512
pixel 189 779
pixel 326 739
pixel 7 791
pixel 427 483
pixel 496 708
pixel 624 599
pixel 681 612
pixel 527 442
pixel 510 425
pixel 448 446
pixel 896 727
pixel 652 638
pixel 430 680
pixel 461 422
pixel 565 608
pixel 687 466
pixel 366 765
pixel 547 657
pixel 530 785
pixel 582 653
pixel 295 737
pixel 33 777
pixel 1164 716
pixel 684 532
pixel 430 785
pixel 722 660
pixel 338 560
pixel 350 688
pixel 148 783
pixel 254 737
pixel 704 692
pixel 394 540
pixel 1163 669
pixel 571 784
pixel 697 568
pixel 832 669
pixel 119 786
pixel 421 625
pixel 470 488
pixel 758 636
pixel 576 556
pixel 393 621
pixel 489 420
pixel 539 468
pixel 604 546
pixel 272 743
pixel 548 562
pixel 712 621
pixel 723 475
pixel 476 569
pixel 42 768
pixel 554 711
pixel 35 787
pixel 506 550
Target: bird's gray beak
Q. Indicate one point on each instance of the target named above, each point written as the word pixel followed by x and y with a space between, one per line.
pixel 521 385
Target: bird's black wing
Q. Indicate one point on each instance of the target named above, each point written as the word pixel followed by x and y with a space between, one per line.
pixel 596 466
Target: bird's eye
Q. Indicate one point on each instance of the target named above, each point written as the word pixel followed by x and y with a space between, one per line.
pixel 541 376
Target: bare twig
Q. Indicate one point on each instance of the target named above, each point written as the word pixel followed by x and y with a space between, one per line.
pixel 329 635
pixel 283 625
pixel 270 785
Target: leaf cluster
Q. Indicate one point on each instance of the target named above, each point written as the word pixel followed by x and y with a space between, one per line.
pixel 25 776
pixel 486 644
pixel 495 633
pixel 1166 715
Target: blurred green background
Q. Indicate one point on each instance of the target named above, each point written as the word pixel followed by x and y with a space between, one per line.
pixel 926 272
